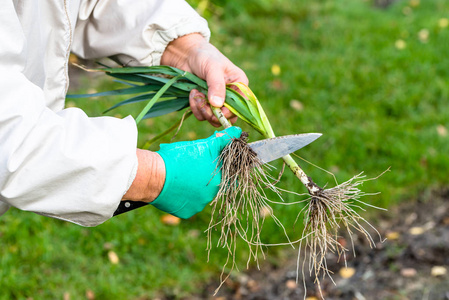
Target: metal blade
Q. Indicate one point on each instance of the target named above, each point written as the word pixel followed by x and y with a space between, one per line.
pixel 270 149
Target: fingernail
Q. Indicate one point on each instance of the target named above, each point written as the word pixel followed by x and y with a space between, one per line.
pixel 216 101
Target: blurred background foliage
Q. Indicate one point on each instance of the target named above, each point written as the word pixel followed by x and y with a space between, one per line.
pixel 373 77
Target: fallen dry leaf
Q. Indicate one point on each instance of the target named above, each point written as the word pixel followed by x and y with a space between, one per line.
pixel 400 44
pixel 296 105
pixel 438 271
pixel 414 3
pixel 192 135
pixel 113 257
pixel 411 218
pixel 238 41
pixel 342 241
pixel 291 284
pixel 276 70
pixel 443 22
pixel 393 235
pixel 429 225
pixel 423 35
pixel 408 272
pixel 265 212
pixel 446 221
pixel 108 246
pixel 170 220
pixel 347 272
pixel 193 233
pixel 416 230
pixel 253 285
pixel 90 295
pixel 442 131
pixel 277 84
pixel 407 10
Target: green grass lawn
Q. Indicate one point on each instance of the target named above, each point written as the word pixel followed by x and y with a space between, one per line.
pixel 375 82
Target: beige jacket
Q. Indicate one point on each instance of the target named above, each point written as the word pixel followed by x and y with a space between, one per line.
pixel 59 162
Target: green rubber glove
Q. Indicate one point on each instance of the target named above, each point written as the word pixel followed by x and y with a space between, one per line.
pixel 192 179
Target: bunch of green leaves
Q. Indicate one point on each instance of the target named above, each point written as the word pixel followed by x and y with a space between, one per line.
pixel 166 89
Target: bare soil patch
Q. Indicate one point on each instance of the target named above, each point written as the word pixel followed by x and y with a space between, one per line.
pixel 413 263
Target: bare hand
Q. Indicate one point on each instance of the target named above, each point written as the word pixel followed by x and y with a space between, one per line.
pixel 194 54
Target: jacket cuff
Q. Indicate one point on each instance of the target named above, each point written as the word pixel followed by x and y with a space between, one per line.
pixel 162 38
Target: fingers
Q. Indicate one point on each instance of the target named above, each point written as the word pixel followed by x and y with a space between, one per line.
pixel 227 135
pixel 201 109
pixel 229 115
pixel 233 132
pixel 233 119
pixel 197 102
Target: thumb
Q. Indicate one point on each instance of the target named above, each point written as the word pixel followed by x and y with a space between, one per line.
pixel 217 88
pixel 224 137
pixel 233 132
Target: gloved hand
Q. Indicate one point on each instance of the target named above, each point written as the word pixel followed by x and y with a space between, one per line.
pixel 192 178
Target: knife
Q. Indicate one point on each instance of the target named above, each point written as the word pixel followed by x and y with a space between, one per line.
pixel 267 150
pixel 270 149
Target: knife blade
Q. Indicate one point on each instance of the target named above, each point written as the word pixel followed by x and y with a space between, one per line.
pixel 270 149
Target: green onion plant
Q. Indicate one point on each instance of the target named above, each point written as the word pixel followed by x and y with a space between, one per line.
pixel 236 210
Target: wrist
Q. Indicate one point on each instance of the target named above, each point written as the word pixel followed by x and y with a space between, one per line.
pixel 150 177
pixel 177 52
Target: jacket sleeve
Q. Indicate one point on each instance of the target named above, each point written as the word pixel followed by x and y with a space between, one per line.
pixel 63 165
pixel 135 32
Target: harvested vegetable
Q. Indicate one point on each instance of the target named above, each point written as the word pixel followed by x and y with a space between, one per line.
pixel 236 209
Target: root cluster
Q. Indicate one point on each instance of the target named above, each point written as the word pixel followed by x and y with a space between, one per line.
pixel 240 208
pixel 239 211
pixel 326 213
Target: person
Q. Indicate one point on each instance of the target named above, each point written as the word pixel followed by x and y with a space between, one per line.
pixel 57 161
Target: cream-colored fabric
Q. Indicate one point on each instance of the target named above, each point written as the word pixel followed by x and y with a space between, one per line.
pixel 136 32
pixel 59 162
